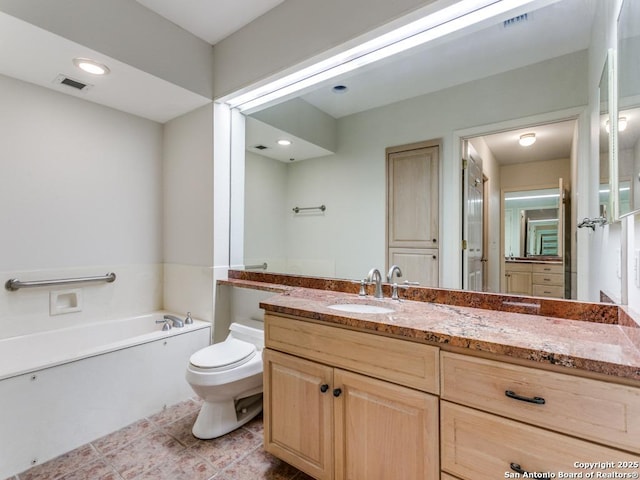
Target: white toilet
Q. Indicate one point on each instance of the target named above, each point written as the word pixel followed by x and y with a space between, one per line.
pixel 228 377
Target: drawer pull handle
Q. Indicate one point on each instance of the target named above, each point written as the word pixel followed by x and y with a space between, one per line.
pixel 515 396
pixel 518 469
pixel 324 387
pixel 337 392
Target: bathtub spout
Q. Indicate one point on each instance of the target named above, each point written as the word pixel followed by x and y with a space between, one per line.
pixel 177 323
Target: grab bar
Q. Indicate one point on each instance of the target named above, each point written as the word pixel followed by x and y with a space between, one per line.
pixel 261 266
pixel 322 208
pixel 14 284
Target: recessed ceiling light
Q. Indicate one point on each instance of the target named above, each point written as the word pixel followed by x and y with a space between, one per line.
pixel 284 142
pixel 91 66
pixel 527 139
pixel 340 89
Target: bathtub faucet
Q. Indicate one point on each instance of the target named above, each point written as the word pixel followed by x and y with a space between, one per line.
pixel 177 323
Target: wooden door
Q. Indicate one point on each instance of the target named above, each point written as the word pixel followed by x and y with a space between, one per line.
pixel 298 413
pixel 384 431
pixel 412 197
pixel 472 220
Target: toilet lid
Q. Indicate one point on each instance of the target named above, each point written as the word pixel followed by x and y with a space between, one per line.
pixel 230 353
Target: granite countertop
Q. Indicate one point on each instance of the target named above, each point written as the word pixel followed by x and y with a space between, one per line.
pixel 603 348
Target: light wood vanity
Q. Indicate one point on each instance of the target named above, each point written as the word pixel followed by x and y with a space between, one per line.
pixel 348 397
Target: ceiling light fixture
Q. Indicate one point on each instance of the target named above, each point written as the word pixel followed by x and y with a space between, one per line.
pixel 527 139
pixel 455 17
pixel 284 142
pixel 622 124
pixel 91 66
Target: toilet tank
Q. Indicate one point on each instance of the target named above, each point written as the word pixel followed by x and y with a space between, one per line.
pixel 237 305
pixel 251 331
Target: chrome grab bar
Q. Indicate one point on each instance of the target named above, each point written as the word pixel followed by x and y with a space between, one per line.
pixel 14 284
pixel 322 208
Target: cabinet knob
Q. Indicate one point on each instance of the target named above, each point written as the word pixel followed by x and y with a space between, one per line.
pixel 324 387
pixel 434 240
pixel 337 392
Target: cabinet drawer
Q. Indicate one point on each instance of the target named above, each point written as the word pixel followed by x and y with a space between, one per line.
pixel 517 267
pixel 548 279
pixel 548 291
pixel 398 361
pixel 546 268
pixel 478 446
pixel 604 412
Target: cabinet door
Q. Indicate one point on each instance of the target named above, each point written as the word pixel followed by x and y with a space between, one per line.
pixel 384 431
pixel 298 415
pixel 518 283
pixel 417 264
pixel 412 208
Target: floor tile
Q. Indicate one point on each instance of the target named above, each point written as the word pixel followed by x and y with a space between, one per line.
pixel 62 465
pixel 95 471
pixel 258 465
pixel 124 436
pixel 223 451
pixel 181 430
pixel 175 412
pixel 255 425
pixel 144 454
pixel 187 466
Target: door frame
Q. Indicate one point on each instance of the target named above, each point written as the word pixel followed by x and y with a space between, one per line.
pixel 580 263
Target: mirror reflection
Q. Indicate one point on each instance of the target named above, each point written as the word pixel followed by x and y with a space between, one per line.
pixel 628 135
pixel 513 79
pixel 532 221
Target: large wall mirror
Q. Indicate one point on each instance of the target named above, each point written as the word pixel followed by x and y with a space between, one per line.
pixel 531 65
pixel 628 131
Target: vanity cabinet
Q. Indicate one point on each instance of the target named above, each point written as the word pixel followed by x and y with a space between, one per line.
pixel 336 408
pixel 518 278
pixel 492 413
pixel 538 279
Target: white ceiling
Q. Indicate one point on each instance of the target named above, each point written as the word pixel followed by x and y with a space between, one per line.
pixel 210 20
pixel 557 29
pixel 37 56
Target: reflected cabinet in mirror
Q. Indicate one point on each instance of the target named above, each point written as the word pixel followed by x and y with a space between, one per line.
pixel 628 126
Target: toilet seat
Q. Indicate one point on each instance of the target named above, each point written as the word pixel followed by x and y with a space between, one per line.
pixel 223 356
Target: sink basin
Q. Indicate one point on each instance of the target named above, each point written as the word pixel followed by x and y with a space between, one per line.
pixel 360 308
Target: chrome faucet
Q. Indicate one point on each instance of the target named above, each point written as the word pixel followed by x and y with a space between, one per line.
pixel 375 276
pixel 394 269
pixel 177 323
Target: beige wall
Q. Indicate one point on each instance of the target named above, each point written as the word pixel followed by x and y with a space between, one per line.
pixel 534 174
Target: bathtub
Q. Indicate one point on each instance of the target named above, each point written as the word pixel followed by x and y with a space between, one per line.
pixel 63 388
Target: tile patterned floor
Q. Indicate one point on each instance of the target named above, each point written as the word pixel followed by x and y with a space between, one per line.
pixel 161 447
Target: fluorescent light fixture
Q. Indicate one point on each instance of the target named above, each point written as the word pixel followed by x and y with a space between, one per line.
pixel 91 66
pixel 527 139
pixel 544 220
pixel 284 142
pixel 435 25
pixel 533 197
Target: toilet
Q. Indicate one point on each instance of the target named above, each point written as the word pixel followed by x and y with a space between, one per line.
pixel 228 377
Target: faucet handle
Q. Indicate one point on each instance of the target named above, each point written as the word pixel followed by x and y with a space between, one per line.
pixel 408 283
pixel 363 290
pixel 394 291
pixel 167 325
pixel 188 320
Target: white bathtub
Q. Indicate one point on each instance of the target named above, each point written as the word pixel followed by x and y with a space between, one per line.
pixel 64 388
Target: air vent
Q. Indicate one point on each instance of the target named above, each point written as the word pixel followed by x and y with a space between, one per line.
pixel 260 147
pixel 70 82
pixel 516 20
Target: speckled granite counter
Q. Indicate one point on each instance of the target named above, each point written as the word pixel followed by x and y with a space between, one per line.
pixel 590 337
